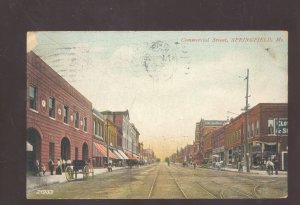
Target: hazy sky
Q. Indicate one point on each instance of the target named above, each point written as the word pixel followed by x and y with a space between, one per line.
pixel 168 80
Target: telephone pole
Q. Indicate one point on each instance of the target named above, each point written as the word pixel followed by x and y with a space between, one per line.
pixel 246 146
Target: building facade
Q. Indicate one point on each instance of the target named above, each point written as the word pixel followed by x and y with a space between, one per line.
pixel 98 138
pixel 59 118
pixel 267 135
pixel 218 143
pixel 202 128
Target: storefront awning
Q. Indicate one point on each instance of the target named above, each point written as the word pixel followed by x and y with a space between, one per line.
pixel 117 154
pixel 131 155
pixel 103 151
pixel 122 154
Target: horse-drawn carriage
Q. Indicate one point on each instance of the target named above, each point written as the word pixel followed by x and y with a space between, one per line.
pixel 78 167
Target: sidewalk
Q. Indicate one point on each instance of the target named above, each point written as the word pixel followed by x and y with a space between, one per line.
pixel 252 171
pixel 259 172
pixel 33 182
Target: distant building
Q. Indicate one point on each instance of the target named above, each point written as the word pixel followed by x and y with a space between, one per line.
pixel 218 143
pixel 202 128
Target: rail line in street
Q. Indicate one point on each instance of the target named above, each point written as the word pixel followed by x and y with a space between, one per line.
pixel 154 184
pixel 251 195
pixel 185 196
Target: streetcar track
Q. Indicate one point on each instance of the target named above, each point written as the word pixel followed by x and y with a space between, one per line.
pixel 153 184
pixel 202 187
pixel 224 188
pixel 185 196
pixel 253 184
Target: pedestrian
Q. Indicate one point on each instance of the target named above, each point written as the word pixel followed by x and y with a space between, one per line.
pixel 43 169
pixel 109 167
pixel 276 165
pixel 270 166
pixel 37 168
pixel 63 165
pixel 58 168
pixel 51 166
pixel 194 164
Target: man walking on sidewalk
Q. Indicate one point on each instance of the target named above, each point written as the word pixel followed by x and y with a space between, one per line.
pixel 276 164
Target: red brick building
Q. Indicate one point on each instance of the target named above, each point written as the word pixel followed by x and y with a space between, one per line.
pixel 234 141
pixel 59 118
pixel 207 146
pixel 267 135
pixel 202 128
pixel 218 143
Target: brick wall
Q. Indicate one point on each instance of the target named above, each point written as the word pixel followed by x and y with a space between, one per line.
pixel 49 83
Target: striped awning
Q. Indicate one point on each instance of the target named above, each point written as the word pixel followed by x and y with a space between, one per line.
pixel 122 154
pixel 117 154
pixel 130 155
pixel 103 151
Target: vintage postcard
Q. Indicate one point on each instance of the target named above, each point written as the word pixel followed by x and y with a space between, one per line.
pixel 157 115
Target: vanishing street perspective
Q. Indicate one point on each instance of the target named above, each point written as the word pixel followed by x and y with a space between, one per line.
pixel 157 115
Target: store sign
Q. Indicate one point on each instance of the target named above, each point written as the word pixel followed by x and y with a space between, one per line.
pixel 214 123
pixel 282 126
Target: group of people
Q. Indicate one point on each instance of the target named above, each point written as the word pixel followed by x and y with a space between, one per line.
pixel 38 169
pixel 272 166
pixel 60 167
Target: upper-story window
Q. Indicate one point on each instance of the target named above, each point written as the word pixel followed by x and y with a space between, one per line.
pixel 98 128
pixel 52 107
pixel 66 114
pixel 32 97
pixel 85 124
pixel 76 119
pixel 252 129
pixel 101 128
pixel 94 130
pixel 257 127
pixel 271 127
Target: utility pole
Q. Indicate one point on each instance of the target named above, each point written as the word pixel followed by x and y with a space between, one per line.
pixel 246 146
pixel 107 141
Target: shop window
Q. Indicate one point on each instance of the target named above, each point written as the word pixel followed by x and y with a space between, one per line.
pixel 66 114
pixel 32 97
pixel 52 107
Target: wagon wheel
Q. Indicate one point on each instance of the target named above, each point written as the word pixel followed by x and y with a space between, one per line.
pixel 85 172
pixel 69 173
